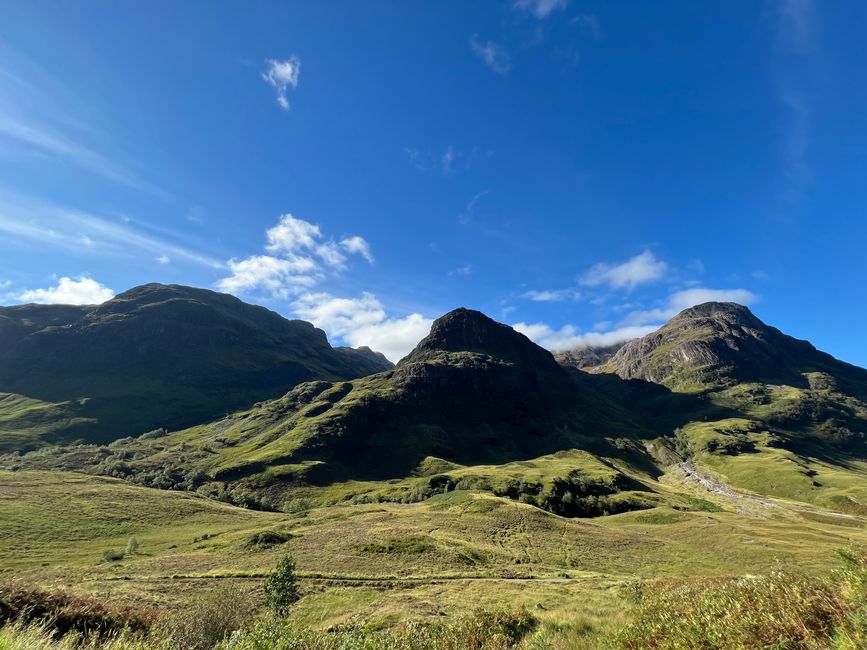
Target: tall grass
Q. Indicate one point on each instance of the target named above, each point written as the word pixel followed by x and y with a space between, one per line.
pixel 783 610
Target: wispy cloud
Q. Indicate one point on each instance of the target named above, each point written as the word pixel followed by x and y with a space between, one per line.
pixel 552 295
pixel 495 56
pixel 588 23
pixel 81 291
pixel 641 269
pixel 447 162
pixel 540 8
pixel 569 337
pixel 357 245
pixel 794 47
pixel 49 224
pixel 282 75
pixel 40 137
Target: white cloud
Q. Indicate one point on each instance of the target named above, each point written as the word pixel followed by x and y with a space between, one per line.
pixel 358 246
pixel 329 252
pixel 363 321
pixel 681 300
pixel 568 337
pixel 495 56
pixel 281 277
pixel 83 291
pixel 291 235
pixel 281 75
pixel 466 269
pixel 640 269
pixel 552 295
pixel 635 325
pixel 298 257
pixel 540 8
pixel 164 259
pixel 447 160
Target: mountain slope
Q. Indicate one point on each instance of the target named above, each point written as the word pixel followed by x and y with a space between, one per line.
pixel 724 343
pixel 158 356
pixel 473 392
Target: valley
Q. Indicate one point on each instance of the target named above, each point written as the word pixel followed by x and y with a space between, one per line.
pixel 477 472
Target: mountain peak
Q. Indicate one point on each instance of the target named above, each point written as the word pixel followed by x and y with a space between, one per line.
pixel 468 330
pixel 717 309
pixel 718 341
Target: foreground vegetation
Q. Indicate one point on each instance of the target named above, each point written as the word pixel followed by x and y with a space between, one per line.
pixel 782 609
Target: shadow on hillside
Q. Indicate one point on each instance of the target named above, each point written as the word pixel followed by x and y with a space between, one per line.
pixel 600 414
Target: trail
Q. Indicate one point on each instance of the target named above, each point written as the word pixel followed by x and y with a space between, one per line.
pixel 688 471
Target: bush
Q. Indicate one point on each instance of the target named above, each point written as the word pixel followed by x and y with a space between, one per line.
pixel 110 555
pixel 65 612
pixel 209 619
pixel 481 630
pixel 266 539
pixel 281 587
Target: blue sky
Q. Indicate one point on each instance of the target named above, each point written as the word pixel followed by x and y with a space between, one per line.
pixel 582 170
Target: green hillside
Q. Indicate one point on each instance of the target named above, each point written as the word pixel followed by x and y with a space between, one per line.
pixel 154 356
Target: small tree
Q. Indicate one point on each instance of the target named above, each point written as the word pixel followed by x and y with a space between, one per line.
pixel 281 587
pixel 132 546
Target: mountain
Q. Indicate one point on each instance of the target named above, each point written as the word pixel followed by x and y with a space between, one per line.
pixel 724 354
pixel 587 357
pixel 473 392
pixel 477 404
pixel 154 356
pixel 724 343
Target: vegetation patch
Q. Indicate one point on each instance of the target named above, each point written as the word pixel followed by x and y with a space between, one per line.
pixel 400 546
pixel 266 539
pixel 780 610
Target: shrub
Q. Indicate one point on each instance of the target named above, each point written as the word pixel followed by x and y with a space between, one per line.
pixel 480 630
pixel 209 619
pixel 65 612
pixel 111 555
pixel 266 539
pixel 132 546
pixel 281 587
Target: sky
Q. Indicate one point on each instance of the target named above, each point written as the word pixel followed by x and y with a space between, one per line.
pixel 579 170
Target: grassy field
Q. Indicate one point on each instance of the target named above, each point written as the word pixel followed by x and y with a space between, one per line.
pixel 386 562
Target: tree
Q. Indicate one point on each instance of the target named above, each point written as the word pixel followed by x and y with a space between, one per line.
pixel 281 587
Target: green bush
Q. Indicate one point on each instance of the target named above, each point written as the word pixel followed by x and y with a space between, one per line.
pixel 111 555
pixel 281 587
pixel 481 630
pixel 266 539
pixel 209 619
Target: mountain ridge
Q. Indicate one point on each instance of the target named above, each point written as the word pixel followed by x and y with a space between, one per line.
pixel 162 356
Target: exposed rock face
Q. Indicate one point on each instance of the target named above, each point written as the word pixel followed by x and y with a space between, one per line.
pixel 719 341
pixel 163 355
pixel 587 357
